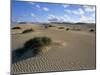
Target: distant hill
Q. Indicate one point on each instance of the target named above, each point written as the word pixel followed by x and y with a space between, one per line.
pixel 66 23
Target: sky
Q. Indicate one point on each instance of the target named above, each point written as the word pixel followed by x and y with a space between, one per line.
pixel 25 11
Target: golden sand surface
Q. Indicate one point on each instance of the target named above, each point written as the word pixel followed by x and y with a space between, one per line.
pixel 76 52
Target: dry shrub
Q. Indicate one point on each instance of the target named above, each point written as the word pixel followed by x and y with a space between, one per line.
pixel 27 31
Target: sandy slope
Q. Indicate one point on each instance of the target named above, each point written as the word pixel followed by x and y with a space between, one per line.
pixel 78 53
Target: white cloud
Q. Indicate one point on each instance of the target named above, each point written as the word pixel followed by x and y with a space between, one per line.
pixel 68 11
pixel 83 18
pixel 70 19
pixel 66 16
pixel 33 15
pixel 51 16
pixel 78 11
pixel 87 19
pixel 38 6
pixel 93 15
pixel 42 8
pixel 54 18
pixel 45 9
pixel 62 19
pixel 89 8
pixel 65 6
pixel 31 3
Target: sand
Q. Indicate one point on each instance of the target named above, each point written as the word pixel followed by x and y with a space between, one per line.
pixel 76 52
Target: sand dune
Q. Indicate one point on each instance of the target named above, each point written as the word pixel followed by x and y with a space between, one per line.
pixel 77 52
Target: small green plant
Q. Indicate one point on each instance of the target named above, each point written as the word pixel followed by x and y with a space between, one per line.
pixel 67 29
pixel 27 31
pixel 37 43
pixel 33 43
pixel 46 40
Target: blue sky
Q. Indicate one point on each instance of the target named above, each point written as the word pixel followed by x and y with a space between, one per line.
pixel 51 12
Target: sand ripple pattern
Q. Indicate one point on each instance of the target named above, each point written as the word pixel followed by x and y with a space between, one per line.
pixel 50 61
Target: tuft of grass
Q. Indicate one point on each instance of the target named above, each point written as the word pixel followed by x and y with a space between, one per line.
pixel 61 27
pixel 37 43
pixel 46 40
pixel 67 29
pixel 27 31
pixel 16 28
pixel 91 30
pixel 33 43
pixel 51 26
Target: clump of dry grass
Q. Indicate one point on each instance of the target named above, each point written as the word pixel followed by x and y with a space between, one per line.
pixel 51 26
pixel 91 30
pixel 37 43
pixel 16 28
pixel 34 45
pixel 67 29
pixel 27 31
pixel 61 27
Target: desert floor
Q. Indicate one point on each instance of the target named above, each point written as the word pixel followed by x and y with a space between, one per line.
pixel 77 51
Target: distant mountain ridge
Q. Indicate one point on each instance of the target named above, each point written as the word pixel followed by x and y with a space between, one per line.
pixel 78 23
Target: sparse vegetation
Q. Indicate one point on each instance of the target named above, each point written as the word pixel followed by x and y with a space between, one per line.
pixel 67 29
pixel 91 30
pixel 46 40
pixel 16 28
pixel 51 26
pixel 27 31
pixel 37 43
pixel 61 27
pixel 34 44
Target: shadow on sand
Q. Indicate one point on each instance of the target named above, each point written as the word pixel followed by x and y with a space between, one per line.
pixel 22 54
